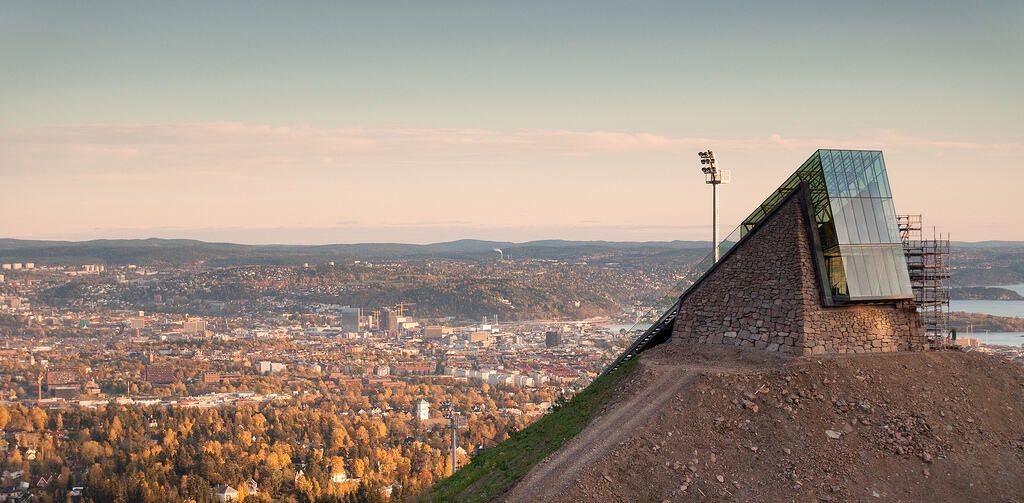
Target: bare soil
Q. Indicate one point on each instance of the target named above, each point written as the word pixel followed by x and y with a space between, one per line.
pixel 720 424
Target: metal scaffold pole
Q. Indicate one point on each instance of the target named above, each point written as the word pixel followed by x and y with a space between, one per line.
pixel 928 266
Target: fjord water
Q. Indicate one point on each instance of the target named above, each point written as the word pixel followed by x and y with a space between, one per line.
pixel 1013 308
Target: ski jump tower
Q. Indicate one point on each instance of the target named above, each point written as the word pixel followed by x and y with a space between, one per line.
pixel 819 267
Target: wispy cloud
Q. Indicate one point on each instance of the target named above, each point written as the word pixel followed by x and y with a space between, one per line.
pixel 887 138
pixel 230 148
pixel 263 183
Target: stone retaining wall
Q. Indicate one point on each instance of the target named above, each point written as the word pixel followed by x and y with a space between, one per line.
pixel 765 295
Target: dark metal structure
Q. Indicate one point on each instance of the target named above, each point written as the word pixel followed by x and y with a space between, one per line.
pixel 928 262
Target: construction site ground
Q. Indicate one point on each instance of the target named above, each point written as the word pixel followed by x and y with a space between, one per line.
pixel 697 423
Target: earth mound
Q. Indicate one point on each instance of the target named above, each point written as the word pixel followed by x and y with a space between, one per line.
pixel 716 424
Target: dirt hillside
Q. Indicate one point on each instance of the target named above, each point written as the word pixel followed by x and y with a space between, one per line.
pixel 715 424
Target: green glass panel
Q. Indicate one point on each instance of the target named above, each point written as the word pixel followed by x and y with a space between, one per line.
pixel 870 222
pixel 851 203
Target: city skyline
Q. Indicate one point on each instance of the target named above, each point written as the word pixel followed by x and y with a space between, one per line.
pixel 402 123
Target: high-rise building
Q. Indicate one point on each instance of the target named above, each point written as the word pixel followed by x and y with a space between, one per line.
pixel 553 338
pixel 194 326
pixel 350 319
pixel 388 321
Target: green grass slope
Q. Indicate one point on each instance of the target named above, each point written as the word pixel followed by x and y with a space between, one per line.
pixel 495 470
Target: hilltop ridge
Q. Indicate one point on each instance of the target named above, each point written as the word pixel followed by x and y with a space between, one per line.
pixel 721 424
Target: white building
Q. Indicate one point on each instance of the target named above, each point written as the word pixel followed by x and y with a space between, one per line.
pixel 225 493
pixel 266 367
pixel 422 410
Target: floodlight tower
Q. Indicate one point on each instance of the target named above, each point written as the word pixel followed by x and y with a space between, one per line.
pixel 714 177
pixel 448 410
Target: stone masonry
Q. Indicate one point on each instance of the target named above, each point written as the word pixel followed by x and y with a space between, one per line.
pixel 765 295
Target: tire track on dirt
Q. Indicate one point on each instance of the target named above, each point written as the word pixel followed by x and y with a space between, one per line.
pixel 558 471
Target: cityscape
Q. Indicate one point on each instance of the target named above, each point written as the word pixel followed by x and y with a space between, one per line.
pixel 494 252
pixel 380 343
pixel 82 343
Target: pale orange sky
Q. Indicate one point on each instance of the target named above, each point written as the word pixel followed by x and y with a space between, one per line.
pixel 252 183
pixel 322 122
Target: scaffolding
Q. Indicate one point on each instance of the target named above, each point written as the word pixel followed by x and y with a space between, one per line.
pixel 928 265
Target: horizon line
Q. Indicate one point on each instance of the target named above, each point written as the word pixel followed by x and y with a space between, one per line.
pixel 363 243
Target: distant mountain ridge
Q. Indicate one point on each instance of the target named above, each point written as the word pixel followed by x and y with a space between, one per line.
pixel 181 251
pixel 188 250
pixel 988 244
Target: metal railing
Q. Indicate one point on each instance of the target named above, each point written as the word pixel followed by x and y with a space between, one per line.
pixel 661 329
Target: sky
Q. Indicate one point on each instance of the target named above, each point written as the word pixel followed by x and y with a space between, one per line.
pixel 339 122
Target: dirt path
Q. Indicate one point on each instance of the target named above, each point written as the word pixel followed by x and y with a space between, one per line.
pixel 923 426
pixel 661 376
pixel 561 469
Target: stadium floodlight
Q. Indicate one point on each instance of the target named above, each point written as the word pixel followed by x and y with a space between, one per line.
pixel 714 177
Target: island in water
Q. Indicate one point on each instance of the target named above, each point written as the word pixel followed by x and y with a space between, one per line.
pixel 983 293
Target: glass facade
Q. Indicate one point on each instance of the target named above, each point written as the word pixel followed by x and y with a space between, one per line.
pixel 859 246
pixel 856 223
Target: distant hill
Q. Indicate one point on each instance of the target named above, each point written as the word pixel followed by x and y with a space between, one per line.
pixel 178 251
pixel 186 251
pixel 987 244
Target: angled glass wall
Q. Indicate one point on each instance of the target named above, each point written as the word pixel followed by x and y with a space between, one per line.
pixel 867 236
pixel 856 222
